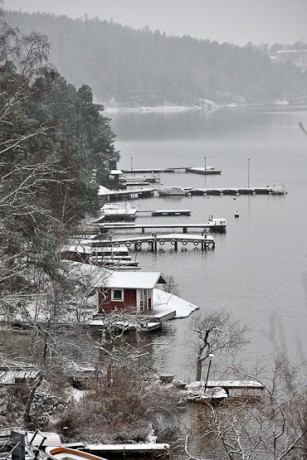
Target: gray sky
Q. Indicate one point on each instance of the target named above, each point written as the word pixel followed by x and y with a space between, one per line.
pixel 234 21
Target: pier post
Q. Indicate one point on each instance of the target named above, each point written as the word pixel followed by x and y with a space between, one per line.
pixel 154 242
pixel 185 229
pixel 176 246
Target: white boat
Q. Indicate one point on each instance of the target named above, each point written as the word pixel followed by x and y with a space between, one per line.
pixel 172 191
pixel 110 251
pixel 117 212
pixel 279 189
pixel 59 453
pixel 115 261
pixel 220 221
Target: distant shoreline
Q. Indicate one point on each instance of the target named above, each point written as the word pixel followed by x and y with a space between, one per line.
pixel 180 108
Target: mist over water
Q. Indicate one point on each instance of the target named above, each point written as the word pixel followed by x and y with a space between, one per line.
pixel 258 270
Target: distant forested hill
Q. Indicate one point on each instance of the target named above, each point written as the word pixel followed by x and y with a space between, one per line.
pixel 141 67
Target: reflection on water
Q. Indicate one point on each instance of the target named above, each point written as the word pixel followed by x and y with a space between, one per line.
pixel 258 270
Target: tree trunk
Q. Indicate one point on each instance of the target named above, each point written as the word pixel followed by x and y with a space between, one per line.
pixel 26 416
pixel 199 368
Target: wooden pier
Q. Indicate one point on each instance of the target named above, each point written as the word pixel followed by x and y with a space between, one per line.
pixel 156 241
pixel 212 226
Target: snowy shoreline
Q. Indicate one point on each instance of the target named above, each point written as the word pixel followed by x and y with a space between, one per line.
pixel 207 106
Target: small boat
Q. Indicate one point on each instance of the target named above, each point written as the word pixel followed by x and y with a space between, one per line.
pixel 279 189
pixel 172 191
pixel 220 221
pixel 59 453
pixel 113 212
pixel 113 261
pixel 110 251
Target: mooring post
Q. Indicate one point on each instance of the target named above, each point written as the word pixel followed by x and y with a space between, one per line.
pixel 154 242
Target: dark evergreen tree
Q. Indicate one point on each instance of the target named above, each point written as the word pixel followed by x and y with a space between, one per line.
pixel 52 137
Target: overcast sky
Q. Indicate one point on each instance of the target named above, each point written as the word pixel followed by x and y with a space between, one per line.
pixel 233 21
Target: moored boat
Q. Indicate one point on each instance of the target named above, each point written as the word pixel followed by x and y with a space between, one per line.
pixel 59 453
pixel 172 191
pixel 279 189
pixel 113 212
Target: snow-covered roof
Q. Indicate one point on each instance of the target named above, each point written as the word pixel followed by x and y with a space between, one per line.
pixel 164 301
pixel 103 190
pixel 10 377
pixel 133 280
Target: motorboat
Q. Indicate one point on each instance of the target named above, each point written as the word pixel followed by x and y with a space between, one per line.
pixel 279 189
pixel 172 191
pixel 61 452
pixel 114 212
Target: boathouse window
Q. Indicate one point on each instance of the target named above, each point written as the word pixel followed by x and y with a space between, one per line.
pixel 117 294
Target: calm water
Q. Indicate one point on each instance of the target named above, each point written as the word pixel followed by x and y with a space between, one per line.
pixel 258 270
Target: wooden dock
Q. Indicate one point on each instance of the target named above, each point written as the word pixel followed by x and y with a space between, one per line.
pixel 156 241
pixel 211 226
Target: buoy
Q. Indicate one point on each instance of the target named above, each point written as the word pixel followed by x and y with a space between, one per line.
pixel 173 242
pixel 184 242
pixel 236 214
pixel 161 242
pixel 195 243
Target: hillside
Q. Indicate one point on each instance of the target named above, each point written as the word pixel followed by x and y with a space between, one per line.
pixel 142 67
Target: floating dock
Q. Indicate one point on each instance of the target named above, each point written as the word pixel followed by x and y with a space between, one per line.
pixel 171 212
pixel 211 226
pixel 116 195
pixel 203 171
pixel 185 169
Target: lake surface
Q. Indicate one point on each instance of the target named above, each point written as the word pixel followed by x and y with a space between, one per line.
pixel 258 270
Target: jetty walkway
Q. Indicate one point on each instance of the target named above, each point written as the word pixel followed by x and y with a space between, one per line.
pixel 115 195
pixel 186 169
pixel 213 226
pixel 156 241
